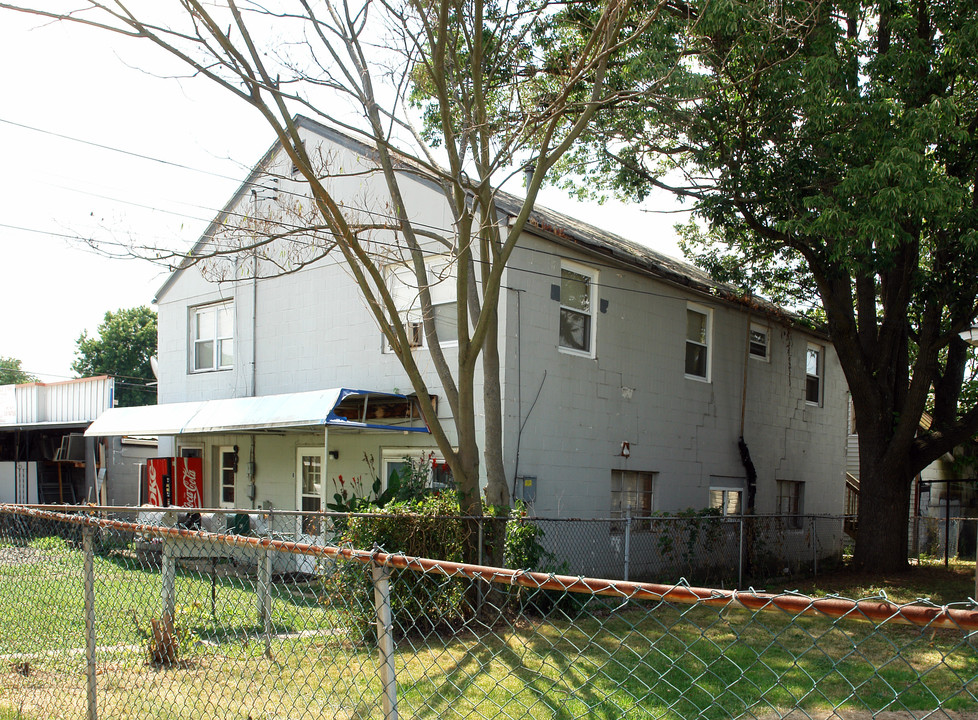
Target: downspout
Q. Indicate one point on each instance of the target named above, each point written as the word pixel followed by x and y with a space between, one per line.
pixel 745 458
pixel 252 475
pixel 747 538
pixel 254 328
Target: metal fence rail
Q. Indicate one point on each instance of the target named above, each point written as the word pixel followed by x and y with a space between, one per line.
pixel 107 617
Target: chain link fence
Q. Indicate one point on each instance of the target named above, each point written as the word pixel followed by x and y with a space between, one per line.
pixel 941 537
pixel 707 549
pixel 103 614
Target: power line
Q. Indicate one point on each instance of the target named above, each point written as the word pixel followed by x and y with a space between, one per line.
pixel 110 148
pixel 365 211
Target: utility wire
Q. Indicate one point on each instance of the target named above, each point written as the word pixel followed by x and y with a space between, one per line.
pixel 110 148
pixel 365 211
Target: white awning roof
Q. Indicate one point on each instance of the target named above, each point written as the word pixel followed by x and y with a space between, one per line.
pixel 267 412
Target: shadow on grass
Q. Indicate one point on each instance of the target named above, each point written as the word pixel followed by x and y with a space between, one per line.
pixel 693 662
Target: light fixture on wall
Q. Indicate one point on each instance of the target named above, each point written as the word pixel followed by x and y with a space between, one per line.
pixel 334 454
pixel 625 449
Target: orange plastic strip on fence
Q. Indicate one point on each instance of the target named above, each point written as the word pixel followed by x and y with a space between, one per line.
pixel 930 616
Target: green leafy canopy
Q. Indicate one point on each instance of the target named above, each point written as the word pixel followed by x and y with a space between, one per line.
pixel 124 343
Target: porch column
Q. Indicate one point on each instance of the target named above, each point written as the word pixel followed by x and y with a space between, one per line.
pixel 322 488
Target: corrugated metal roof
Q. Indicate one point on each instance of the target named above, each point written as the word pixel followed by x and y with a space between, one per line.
pixel 73 402
pixel 267 412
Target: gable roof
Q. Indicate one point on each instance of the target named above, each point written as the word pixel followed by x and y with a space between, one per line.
pixel 552 225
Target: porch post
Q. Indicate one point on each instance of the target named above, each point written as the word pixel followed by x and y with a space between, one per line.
pixel 322 486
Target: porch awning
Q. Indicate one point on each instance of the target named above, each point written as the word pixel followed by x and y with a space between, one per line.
pixel 318 408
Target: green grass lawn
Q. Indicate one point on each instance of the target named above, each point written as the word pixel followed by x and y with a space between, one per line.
pixel 589 658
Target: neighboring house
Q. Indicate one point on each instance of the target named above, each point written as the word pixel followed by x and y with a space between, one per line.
pixel 627 376
pixel 44 456
pixel 947 488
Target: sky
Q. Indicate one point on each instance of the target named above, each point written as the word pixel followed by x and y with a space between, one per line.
pixel 97 144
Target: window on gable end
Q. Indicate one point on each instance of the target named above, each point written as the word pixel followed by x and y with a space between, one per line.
pixel 212 337
pixel 403 285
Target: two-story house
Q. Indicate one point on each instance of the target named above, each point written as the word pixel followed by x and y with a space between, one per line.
pixel 627 376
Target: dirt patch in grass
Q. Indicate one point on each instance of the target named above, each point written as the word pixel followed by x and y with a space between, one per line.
pixel 12 556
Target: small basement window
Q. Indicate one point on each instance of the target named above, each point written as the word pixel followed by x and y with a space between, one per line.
pixel 631 496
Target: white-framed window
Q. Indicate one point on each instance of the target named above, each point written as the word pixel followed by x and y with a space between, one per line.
pixel 309 473
pixel 212 336
pixel 576 332
pixel 403 284
pixel 728 499
pixel 814 369
pixel 699 336
pixel 227 473
pixel 791 498
pixel 760 342
pixel 438 475
pixel 631 496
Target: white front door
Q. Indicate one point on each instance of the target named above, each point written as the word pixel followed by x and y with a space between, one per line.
pixel 309 482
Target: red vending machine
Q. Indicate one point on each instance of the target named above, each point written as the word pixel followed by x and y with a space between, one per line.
pixel 175 481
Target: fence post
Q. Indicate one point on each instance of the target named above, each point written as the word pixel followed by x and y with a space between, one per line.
pixel 265 597
pixel 385 640
pixel 814 546
pixel 168 574
pixel 479 523
pixel 90 669
pixel 628 540
pixel 740 553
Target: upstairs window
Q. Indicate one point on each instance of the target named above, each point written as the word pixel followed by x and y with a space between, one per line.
pixel 698 337
pixel 760 345
pixel 576 309
pixel 814 369
pixel 212 337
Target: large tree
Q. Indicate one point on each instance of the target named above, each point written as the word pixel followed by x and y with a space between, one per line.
pixel 11 372
pixel 122 347
pixel 488 101
pixel 837 141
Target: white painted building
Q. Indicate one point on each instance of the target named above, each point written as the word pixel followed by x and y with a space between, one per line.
pixel 654 357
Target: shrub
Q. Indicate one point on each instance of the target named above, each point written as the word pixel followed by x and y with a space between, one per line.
pixel 425 527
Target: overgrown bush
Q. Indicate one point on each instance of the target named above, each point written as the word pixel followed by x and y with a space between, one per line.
pixel 430 526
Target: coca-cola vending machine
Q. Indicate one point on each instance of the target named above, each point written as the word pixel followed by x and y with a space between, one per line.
pixel 188 482
pixel 175 481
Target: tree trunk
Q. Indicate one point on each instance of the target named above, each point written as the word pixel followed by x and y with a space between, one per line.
pixel 497 489
pixel 884 513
